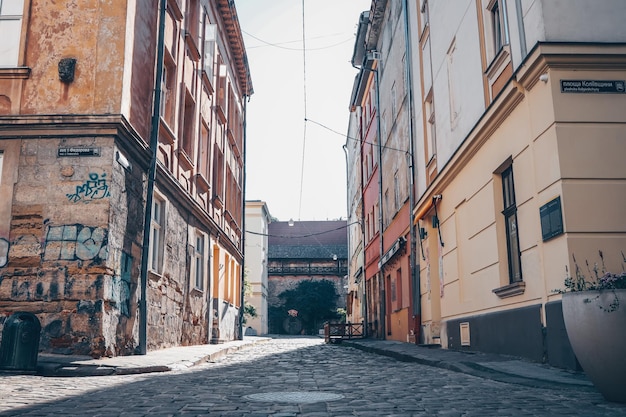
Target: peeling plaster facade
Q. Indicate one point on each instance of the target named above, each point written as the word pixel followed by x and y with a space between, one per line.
pixel 73 180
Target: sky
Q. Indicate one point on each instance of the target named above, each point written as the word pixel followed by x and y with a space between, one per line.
pixel 299 168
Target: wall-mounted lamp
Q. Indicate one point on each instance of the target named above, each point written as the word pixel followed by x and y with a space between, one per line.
pixel 121 159
pixel 290 222
pixel 543 78
pixel 334 257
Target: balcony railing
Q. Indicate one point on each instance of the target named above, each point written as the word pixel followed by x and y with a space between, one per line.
pixel 307 270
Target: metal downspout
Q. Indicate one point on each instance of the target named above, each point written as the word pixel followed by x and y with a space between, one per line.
pixel 243 222
pixel 381 276
pixel 154 143
pixel 413 269
pixel 521 29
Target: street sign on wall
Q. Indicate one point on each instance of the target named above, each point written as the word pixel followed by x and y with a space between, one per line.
pixel 593 86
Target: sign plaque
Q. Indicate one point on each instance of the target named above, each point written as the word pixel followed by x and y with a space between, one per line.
pixel 593 86
pixel 78 151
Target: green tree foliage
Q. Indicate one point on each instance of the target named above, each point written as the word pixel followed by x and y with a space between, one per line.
pixel 315 302
pixel 249 311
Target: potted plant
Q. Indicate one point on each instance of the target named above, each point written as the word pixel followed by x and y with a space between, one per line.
pixel 594 311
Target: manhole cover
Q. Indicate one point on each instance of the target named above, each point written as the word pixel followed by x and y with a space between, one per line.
pixel 294 397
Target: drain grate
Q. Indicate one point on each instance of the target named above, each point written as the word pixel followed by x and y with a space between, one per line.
pixel 294 397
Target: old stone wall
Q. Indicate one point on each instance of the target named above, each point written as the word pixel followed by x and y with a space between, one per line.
pixel 58 264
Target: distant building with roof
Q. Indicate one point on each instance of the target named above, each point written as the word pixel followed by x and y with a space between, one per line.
pixel 305 250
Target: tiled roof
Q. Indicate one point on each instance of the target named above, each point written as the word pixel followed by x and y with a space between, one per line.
pixel 308 240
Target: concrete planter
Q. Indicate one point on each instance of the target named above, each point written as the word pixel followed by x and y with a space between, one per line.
pixel 598 338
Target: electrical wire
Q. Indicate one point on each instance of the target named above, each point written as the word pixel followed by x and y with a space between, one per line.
pixel 305 112
pixel 302 236
pixel 278 45
pixel 355 139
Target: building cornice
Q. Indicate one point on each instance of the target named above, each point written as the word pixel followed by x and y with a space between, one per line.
pixel 235 40
pixel 543 57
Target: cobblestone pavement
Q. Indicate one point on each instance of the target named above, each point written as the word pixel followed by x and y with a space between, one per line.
pixel 295 377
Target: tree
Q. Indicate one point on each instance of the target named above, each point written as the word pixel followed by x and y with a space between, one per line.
pixel 249 311
pixel 315 302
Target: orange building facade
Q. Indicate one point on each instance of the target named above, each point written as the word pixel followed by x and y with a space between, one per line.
pixel 77 89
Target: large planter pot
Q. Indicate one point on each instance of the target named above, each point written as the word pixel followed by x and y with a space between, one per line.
pixel 598 338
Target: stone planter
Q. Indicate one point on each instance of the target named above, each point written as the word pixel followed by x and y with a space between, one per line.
pixel 598 338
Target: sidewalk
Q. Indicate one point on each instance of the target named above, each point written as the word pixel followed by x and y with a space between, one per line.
pixel 484 365
pixel 163 360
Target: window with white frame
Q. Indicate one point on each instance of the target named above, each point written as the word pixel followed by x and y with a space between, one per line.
pixel 396 191
pixel 424 16
pixel 157 235
pixel 199 261
pixel 452 84
pixel 499 24
pixel 431 128
pixel 11 13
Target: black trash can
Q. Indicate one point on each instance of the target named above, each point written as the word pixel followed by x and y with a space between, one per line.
pixel 20 342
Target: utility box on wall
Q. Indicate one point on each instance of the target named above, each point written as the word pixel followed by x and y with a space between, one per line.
pixel 20 342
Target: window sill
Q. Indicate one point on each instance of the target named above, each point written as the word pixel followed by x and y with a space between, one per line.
pixel 501 60
pixel 184 160
pixel 510 290
pixel 197 291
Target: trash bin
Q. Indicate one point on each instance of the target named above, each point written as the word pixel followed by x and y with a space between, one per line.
pixel 20 342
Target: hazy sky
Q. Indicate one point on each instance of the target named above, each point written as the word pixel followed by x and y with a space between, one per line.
pixel 276 133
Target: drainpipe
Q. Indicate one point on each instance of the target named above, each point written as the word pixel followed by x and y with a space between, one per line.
pixel 243 221
pixel 413 267
pixel 154 143
pixel 381 276
pixel 520 27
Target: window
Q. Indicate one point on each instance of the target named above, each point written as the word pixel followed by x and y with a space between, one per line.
pixel 189 131
pixel 203 150
pixel 431 128
pixel 510 221
pixel 157 235
pixel 394 97
pixel 11 12
pixel 452 94
pixel 499 24
pixel 168 93
pixel 396 191
pixel 425 17
pixel 199 261
pixel 398 296
pixel 209 49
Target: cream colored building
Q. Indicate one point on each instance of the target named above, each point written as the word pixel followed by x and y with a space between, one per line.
pixel 520 142
pixel 257 219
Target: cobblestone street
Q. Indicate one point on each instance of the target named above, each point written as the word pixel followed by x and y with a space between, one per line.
pixel 295 377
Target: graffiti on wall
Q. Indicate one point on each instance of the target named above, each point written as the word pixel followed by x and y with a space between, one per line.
pixel 4 252
pixel 95 188
pixel 75 242
pixel 120 290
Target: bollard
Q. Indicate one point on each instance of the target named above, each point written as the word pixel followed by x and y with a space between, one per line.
pixel 20 342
